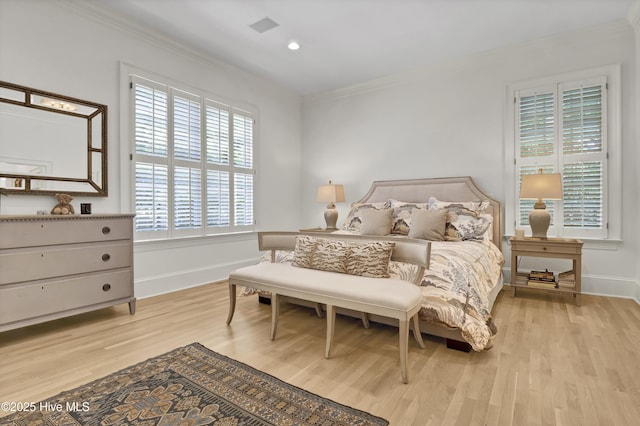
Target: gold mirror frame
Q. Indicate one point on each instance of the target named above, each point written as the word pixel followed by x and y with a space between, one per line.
pixel 94 117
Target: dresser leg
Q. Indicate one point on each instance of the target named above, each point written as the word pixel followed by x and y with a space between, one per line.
pixel 132 307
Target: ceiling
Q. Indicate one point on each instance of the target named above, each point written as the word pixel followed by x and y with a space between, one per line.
pixel 345 42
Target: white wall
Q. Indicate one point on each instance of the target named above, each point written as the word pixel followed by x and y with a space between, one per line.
pixel 57 47
pixel 448 120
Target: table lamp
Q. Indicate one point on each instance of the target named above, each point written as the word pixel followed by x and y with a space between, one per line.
pixel 331 194
pixel 536 187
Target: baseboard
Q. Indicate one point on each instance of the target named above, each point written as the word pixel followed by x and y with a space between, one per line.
pixel 181 280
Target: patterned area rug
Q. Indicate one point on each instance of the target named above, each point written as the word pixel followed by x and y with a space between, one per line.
pixel 192 386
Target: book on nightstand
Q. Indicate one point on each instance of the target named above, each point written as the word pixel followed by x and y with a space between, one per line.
pixel 541 279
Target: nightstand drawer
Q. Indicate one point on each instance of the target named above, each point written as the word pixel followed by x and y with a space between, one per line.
pixel 547 246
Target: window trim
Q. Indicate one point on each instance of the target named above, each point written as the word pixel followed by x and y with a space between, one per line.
pixel 613 189
pixel 128 156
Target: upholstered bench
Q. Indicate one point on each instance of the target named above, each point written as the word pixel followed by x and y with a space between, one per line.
pixel 390 297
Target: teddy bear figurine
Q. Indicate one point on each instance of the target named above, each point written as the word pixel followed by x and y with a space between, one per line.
pixel 64 205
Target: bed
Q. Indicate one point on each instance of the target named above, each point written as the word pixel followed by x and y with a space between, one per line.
pixel 465 276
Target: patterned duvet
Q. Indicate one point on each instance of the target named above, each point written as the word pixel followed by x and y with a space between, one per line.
pixel 455 289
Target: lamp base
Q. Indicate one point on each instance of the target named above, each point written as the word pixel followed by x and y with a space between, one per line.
pixel 539 219
pixel 331 217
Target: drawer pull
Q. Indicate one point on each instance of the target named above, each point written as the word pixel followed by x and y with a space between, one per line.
pixel 106 230
pixel 544 248
pixel 106 287
pixel 106 257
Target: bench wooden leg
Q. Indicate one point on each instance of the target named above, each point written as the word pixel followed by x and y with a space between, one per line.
pixel 232 302
pixel 365 319
pixel 404 347
pixel 416 331
pixel 331 322
pixel 275 313
pixel 319 310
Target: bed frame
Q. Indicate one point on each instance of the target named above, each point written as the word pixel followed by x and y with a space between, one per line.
pixel 444 189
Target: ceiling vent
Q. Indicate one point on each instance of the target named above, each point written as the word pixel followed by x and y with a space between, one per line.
pixel 263 25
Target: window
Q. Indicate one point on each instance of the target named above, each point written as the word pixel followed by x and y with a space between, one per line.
pixel 563 127
pixel 193 163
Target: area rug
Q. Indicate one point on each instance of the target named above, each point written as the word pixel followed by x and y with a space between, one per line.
pixel 191 386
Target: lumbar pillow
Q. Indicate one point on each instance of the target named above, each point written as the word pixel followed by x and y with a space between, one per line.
pixel 330 255
pixel 370 259
pixel 428 224
pixel 375 222
pixel 303 252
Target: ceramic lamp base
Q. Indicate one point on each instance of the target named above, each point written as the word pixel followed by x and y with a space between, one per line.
pixel 539 219
pixel 331 216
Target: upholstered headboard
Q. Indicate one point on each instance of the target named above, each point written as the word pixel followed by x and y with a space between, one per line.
pixel 445 189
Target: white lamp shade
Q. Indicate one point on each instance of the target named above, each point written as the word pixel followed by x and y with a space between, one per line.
pixel 330 193
pixel 547 186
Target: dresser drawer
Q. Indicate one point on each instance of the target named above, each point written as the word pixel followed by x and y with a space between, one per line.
pixel 30 264
pixel 50 296
pixel 31 233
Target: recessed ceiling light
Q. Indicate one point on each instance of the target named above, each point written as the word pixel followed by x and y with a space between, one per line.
pixel 293 45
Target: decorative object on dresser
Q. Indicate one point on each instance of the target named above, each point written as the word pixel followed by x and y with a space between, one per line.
pixel 569 282
pixel 536 187
pixel 192 385
pixel 64 205
pixel 331 194
pixel 55 266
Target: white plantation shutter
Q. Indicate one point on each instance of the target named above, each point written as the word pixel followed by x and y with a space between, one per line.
pixel 243 196
pixel 583 156
pixel 152 197
pixel 218 198
pixel 193 162
pixel 561 129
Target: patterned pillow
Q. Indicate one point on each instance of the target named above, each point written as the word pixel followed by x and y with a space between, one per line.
pixel 370 259
pixel 375 222
pixel 465 220
pixel 330 255
pixel 303 252
pixel 401 221
pixel 354 218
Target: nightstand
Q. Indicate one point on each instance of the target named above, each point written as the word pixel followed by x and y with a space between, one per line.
pixel 556 248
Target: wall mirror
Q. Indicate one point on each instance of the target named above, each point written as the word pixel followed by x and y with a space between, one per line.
pixel 51 143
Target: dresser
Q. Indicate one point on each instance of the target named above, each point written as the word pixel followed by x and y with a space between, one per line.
pixel 56 266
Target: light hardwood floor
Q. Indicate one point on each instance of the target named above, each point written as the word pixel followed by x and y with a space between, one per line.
pixel 552 363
